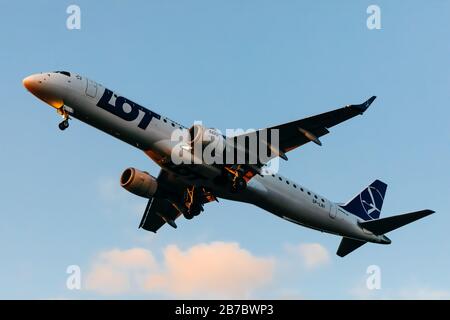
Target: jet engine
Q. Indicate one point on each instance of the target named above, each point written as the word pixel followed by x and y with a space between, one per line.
pixel 139 182
pixel 205 136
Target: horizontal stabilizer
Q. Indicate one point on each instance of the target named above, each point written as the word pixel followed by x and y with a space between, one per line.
pixel 384 225
pixel 348 245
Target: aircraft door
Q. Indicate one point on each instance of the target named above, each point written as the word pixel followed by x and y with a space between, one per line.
pixel 333 211
pixel 91 88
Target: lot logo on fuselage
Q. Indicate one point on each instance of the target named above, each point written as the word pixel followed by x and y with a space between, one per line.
pixel 126 109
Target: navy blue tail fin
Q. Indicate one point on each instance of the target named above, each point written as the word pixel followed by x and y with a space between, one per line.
pixel 367 204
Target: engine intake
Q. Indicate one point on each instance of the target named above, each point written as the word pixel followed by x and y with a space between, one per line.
pixel 204 136
pixel 139 182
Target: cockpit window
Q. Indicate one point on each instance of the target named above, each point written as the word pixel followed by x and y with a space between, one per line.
pixel 64 73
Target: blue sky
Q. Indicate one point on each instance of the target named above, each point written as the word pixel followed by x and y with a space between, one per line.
pixel 233 64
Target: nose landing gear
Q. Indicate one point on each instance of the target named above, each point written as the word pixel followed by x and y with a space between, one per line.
pixel 65 123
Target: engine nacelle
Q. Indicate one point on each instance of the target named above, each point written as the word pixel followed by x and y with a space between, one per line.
pixel 138 182
pixel 205 136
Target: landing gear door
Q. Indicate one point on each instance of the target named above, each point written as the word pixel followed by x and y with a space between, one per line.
pixel 333 211
pixel 91 88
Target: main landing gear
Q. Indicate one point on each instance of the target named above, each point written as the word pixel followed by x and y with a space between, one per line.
pixel 236 176
pixel 238 184
pixel 192 204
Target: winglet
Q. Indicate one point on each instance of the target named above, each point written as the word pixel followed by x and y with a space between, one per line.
pixel 363 106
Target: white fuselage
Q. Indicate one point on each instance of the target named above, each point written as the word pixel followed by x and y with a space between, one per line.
pixel 151 133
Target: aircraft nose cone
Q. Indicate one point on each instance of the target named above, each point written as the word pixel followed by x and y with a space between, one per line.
pixel 29 83
pixel 41 87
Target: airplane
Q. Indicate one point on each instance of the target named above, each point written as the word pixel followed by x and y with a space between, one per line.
pixel 184 188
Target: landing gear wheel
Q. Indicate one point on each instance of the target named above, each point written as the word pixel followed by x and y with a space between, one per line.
pixel 64 125
pixel 188 215
pixel 238 184
pixel 196 211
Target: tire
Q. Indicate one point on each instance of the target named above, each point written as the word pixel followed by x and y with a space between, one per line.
pixel 188 215
pixel 63 125
pixel 196 212
pixel 240 184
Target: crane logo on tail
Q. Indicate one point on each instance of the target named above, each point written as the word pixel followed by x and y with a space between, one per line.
pixel 371 201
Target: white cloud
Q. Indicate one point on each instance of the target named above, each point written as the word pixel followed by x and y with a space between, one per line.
pixel 107 280
pixel 218 269
pixel 117 271
pixel 214 270
pixel 313 255
pixel 133 258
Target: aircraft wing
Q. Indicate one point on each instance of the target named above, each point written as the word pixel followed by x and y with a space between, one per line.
pixel 162 210
pixel 297 133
